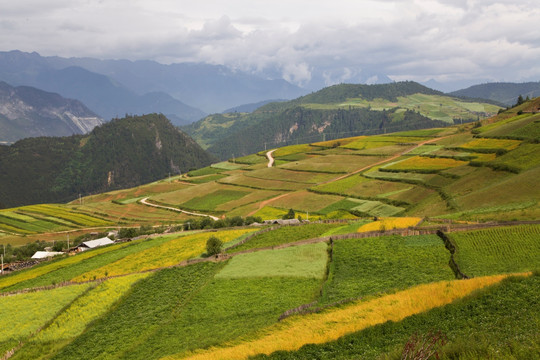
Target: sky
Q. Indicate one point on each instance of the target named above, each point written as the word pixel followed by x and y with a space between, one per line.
pixel 302 41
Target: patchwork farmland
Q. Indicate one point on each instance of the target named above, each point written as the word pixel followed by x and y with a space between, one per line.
pixel 363 253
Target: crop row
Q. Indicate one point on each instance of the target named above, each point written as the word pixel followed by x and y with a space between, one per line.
pixel 504 249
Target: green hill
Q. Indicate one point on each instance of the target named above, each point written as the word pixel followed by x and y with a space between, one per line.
pixel 335 112
pixel 122 153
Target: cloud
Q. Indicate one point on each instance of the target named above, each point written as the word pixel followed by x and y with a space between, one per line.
pixel 322 43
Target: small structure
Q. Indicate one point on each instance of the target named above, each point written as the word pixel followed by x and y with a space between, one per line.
pixel 283 222
pixel 45 254
pixel 91 244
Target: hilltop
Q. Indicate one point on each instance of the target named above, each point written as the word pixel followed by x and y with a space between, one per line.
pixel 29 112
pixel 335 112
pixel 121 153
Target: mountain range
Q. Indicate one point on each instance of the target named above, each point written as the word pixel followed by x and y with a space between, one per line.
pixel 113 88
pixel 29 112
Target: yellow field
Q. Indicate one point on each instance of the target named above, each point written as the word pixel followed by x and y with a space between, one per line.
pixel 492 144
pixel 76 317
pixel 390 223
pixel 32 273
pixel 425 163
pixel 318 328
pixel 167 254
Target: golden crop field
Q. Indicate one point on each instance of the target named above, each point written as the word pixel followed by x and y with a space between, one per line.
pixel 419 163
pixel 390 223
pixel 329 325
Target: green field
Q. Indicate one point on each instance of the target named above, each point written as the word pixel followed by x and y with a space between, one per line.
pixel 498 250
pixel 304 261
pixel 285 234
pixel 362 267
pixel 210 201
pixel 213 311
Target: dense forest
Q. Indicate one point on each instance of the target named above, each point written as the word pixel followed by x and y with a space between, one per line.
pixel 122 153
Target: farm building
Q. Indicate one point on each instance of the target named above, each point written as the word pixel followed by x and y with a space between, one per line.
pixel 45 254
pixel 283 222
pixel 91 244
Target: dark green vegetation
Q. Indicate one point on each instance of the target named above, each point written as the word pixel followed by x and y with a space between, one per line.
pixel 494 323
pixel 331 113
pixel 122 153
pixel 498 250
pixel 27 112
pixel 363 267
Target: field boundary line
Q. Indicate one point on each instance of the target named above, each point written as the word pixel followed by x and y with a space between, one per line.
pixel 145 202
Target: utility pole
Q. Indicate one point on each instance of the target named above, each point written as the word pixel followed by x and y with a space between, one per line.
pixel 2 264
pixel 265 146
pixel 80 199
pixel 68 242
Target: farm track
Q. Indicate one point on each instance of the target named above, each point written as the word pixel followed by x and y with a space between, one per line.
pixel 145 202
pixel 270 158
pixel 225 257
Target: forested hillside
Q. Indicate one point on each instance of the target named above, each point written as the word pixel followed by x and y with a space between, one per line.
pixel 122 153
pixel 334 112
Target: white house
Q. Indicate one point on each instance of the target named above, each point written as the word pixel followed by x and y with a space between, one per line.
pixel 91 244
pixel 45 254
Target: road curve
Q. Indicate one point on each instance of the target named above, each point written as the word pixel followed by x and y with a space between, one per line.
pixel 270 158
pixel 145 202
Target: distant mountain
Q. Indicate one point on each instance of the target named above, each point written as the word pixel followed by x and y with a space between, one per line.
pixel 104 95
pixel 247 108
pixel 29 112
pixel 333 112
pixel 117 83
pixel 121 153
pixel 505 93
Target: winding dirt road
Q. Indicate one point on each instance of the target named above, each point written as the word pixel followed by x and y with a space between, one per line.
pixel 270 158
pixel 145 202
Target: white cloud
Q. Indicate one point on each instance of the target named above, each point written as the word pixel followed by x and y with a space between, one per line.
pixel 345 40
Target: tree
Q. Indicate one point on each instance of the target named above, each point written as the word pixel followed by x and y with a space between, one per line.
pixel 289 215
pixel 520 100
pixel 213 246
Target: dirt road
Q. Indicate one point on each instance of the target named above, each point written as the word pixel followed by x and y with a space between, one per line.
pixel 145 202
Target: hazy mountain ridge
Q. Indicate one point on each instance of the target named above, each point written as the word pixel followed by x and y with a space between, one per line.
pixel 29 112
pixel 121 153
pixel 118 84
pixel 503 92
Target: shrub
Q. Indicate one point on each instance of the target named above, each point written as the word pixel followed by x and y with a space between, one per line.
pixel 213 246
